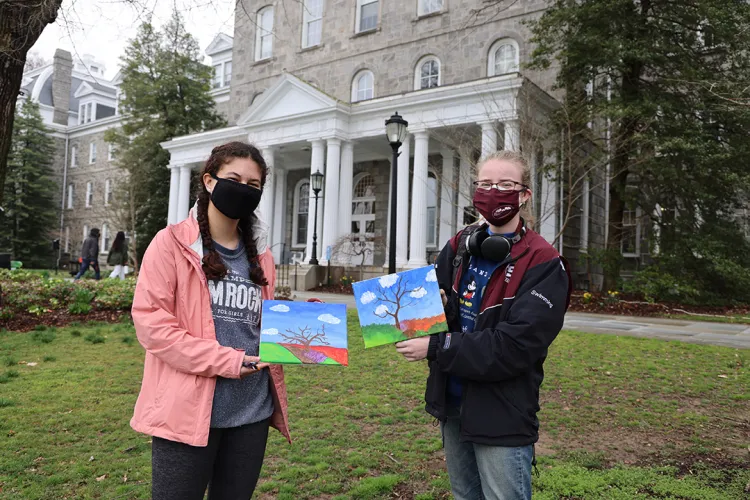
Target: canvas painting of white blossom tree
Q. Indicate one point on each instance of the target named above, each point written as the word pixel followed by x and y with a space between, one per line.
pixel 400 306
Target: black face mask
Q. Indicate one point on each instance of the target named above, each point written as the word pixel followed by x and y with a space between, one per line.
pixel 234 199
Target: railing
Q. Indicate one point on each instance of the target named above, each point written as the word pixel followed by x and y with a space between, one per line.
pixel 282 266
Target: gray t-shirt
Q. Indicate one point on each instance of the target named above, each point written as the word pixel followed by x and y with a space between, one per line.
pixel 236 306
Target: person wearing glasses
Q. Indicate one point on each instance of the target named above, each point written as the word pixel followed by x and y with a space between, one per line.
pixel 505 291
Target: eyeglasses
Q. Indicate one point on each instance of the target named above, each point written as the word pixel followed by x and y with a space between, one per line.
pixel 504 185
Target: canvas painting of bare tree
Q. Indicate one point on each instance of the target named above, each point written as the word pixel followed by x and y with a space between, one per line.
pixel 308 333
pixel 400 306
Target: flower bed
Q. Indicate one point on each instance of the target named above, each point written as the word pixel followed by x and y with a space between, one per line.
pixel 29 299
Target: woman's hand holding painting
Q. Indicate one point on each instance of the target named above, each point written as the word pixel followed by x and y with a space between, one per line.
pixel 252 364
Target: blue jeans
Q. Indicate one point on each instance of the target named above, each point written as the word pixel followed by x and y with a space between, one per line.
pixel 85 263
pixel 479 472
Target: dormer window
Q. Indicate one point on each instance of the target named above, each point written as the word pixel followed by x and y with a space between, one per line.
pixel 86 112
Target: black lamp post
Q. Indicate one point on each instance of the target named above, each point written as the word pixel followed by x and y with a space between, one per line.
pixel 317 185
pixel 395 131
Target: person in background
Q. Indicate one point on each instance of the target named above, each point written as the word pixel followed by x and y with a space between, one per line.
pixel 206 398
pixel 118 256
pixel 90 254
pixel 505 290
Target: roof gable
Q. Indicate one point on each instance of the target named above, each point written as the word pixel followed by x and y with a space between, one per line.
pixel 289 96
pixel 221 43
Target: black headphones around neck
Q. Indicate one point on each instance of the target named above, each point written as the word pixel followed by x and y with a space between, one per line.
pixel 494 247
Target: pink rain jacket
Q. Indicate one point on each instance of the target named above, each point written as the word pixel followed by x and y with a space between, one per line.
pixel 174 323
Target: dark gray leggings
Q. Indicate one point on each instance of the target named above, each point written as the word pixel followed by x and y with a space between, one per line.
pixel 229 465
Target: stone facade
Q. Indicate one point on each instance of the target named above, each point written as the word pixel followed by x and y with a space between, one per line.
pixel 460 41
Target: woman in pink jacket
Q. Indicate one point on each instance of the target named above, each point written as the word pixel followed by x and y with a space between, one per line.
pixel 206 398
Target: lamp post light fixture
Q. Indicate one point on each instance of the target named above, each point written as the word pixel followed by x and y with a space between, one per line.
pixel 317 185
pixel 395 131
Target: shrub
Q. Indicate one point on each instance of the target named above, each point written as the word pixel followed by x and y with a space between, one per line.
pixel 6 314
pixel 129 340
pixel 95 338
pixel 40 328
pixel 79 308
pixel 43 336
pixel 75 333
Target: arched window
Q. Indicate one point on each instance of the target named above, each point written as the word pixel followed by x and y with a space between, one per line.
pixel 301 208
pixel 363 86
pixel 432 213
pixel 264 34
pixel 503 57
pixel 427 73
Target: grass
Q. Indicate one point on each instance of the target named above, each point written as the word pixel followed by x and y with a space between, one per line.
pixel 623 418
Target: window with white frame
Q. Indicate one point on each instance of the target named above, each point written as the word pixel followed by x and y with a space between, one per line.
pixel 105 239
pixel 107 191
pixel 86 112
pixel 217 76
pixel 89 193
pixel 264 34
pixel 70 196
pixel 227 73
pixel 74 156
pixel 427 73
pixel 429 7
pixel 312 23
pixel 432 214
pixel 503 57
pixel 67 239
pixel 367 15
pixel 92 152
pixel 111 152
pixel 363 86
pixel 301 209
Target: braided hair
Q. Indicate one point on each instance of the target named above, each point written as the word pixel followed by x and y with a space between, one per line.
pixel 213 265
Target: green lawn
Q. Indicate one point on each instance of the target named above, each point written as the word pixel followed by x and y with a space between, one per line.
pixel 623 418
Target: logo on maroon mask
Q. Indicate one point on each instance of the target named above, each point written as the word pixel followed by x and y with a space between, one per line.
pixel 499 212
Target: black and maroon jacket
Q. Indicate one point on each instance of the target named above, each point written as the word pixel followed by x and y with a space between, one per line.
pixel 500 362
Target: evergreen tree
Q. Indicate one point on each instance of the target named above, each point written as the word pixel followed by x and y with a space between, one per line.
pixel 165 94
pixel 28 222
pixel 657 68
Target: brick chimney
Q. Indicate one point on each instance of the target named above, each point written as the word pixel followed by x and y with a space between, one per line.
pixel 62 77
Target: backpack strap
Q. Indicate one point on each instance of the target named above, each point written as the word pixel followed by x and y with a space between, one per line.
pixel 461 250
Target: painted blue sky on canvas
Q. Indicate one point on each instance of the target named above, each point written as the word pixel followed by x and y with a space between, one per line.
pixel 427 302
pixel 278 315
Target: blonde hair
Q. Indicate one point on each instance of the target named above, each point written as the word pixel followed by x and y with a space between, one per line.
pixel 518 160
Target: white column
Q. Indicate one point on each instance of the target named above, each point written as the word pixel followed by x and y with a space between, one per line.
pixel 489 137
pixel 446 197
pixel 346 187
pixel 174 189
pixel 279 212
pixel 317 164
pixel 512 135
pixel 465 177
pixel 183 197
pixel 402 203
pixel 418 233
pixel 266 201
pixel 548 211
pixel 331 197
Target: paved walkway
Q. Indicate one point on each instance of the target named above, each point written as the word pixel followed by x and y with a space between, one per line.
pixel 697 332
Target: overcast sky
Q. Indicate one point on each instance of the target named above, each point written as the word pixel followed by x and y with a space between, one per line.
pixel 102 28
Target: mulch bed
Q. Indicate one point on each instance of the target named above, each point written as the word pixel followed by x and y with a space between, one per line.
pixel 601 304
pixel 24 321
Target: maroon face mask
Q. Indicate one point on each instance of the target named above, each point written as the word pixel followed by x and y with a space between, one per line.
pixel 497 207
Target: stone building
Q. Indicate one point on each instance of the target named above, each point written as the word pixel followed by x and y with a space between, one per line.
pixel 312 83
pixel 78 104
